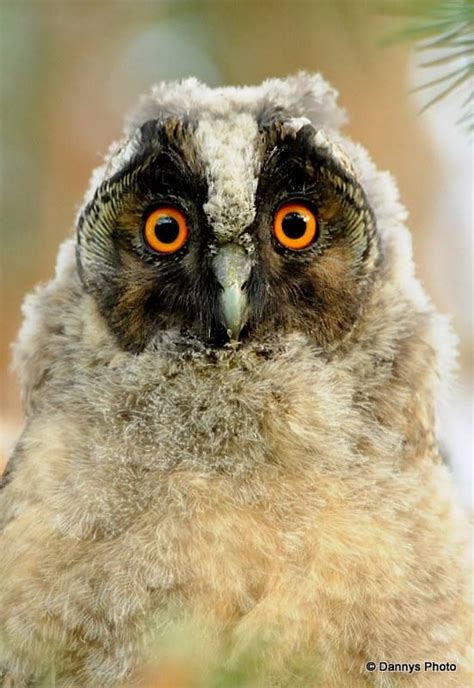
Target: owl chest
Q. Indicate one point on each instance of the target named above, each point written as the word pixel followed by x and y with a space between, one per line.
pixel 203 489
pixel 160 434
pixel 194 417
pixel 188 440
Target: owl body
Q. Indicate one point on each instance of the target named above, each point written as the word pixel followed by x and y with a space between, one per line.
pixel 249 451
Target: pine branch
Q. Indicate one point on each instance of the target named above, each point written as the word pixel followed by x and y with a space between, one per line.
pixel 446 27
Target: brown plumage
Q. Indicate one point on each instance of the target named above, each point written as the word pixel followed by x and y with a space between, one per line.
pixel 237 439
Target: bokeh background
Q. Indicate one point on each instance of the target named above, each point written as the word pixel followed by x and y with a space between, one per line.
pixel 70 70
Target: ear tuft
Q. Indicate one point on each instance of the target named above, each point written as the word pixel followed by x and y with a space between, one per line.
pixel 306 95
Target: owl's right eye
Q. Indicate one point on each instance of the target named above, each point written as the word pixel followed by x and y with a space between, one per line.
pixel 295 226
pixel 165 230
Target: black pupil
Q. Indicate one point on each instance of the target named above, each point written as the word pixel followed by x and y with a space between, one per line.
pixel 167 229
pixel 294 225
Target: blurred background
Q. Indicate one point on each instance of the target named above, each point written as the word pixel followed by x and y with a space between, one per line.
pixel 71 69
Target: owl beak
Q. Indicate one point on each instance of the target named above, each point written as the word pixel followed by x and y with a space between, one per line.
pixel 232 267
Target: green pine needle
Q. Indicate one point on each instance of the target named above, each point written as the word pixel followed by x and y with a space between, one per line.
pixel 447 27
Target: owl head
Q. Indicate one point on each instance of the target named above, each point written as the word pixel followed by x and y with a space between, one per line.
pixel 229 214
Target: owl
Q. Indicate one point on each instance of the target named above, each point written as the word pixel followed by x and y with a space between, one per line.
pixel 229 462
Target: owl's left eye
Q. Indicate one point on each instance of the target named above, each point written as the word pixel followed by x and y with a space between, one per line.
pixel 295 226
pixel 165 230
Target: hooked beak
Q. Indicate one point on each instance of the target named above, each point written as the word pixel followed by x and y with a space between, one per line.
pixel 232 268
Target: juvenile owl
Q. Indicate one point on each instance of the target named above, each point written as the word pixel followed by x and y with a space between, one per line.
pixel 230 391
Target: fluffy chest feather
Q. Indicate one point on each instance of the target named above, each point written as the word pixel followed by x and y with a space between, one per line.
pixel 229 490
pixel 238 422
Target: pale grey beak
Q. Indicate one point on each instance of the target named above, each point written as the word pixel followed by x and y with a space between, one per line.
pixel 232 268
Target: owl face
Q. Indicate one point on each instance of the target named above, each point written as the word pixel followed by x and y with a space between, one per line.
pixel 227 224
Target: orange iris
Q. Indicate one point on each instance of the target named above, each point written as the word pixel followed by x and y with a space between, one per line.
pixel 295 226
pixel 166 229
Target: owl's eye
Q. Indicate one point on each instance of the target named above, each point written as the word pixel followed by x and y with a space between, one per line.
pixel 165 230
pixel 295 226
